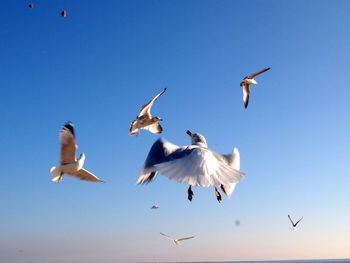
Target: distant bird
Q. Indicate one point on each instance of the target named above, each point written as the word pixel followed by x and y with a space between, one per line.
pixel 246 82
pixel 294 224
pixel 195 165
pixel 64 13
pixel 177 241
pixel 145 120
pixel 69 163
pixel 237 222
pixel 31 5
pixel 155 207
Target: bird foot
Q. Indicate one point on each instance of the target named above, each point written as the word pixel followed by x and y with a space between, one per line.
pixel 218 195
pixel 190 194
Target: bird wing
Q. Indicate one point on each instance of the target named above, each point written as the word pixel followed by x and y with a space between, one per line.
pixel 234 161
pixel 68 144
pixel 146 109
pixel 158 153
pixel 185 238
pixel 298 221
pixel 258 73
pixel 133 130
pixel 290 219
pixel 171 238
pixel 154 128
pixel 246 93
pixel 198 167
pixel 83 174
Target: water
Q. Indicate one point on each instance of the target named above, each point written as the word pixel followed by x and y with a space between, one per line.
pixel 279 261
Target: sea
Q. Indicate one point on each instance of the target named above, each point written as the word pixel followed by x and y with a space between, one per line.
pixel 271 261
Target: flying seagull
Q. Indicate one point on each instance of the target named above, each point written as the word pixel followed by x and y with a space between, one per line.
pixel 177 241
pixel 64 13
pixel 154 206
pixel 194 165
pixel 246 82
pixel 294 224
pixel 69 163
pixel 145 120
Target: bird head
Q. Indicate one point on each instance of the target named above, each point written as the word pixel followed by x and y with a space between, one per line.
pixel 157 119
pixel 197 139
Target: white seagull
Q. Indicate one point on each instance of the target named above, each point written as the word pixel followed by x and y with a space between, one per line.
pixel 177 241
pixel 294 224
pixel 145 120
pixel 246 82
pixel 69 163
pixel 154 206
pixel 195 165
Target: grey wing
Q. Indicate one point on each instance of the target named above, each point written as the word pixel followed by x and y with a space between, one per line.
pixel 83 174
pixel 167 236
pixel 146 109
pixel 158 153
pixel 258 73
pixel 246 93
pixel 298 221
pixel 290 219
pixel 185 238
pixel 68 144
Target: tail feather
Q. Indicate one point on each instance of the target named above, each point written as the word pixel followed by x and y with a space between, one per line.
pixel 57 175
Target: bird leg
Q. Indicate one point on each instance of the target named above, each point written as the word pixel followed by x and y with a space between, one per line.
pixel 190 193
pixel 218 195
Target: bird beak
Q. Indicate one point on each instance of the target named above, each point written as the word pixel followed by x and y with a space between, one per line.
pixel 189 133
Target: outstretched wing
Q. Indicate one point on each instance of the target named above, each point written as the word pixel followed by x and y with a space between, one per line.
pixel 146 109
pixel 83 174
pixel 198 167
pixel 246 93
pixel 171 238
pixel 159 153
pixel 68 144
pixel 290 219
pixel 298 221
pixel 258 73
pixel 234 161
pixel 185 238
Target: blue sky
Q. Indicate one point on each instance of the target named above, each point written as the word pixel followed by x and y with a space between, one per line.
pixel 106 59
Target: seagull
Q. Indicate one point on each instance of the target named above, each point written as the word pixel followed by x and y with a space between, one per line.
pixel 234 161
pixel 246 82
pixel 69 163
pixel 294 224
pixel 64 13
pixel 195 165
pixel 145 120
pixel 177 241
pixel 155 207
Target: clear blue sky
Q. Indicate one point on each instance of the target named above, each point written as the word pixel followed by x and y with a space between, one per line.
pixel 106 59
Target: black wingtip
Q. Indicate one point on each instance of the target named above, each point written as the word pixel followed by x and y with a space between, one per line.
pixel 69 125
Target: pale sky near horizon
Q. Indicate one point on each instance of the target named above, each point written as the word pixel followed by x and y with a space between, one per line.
pixel 97 66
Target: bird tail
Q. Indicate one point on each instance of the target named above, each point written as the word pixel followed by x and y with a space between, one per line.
pixel 235 162
pixel 57 175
